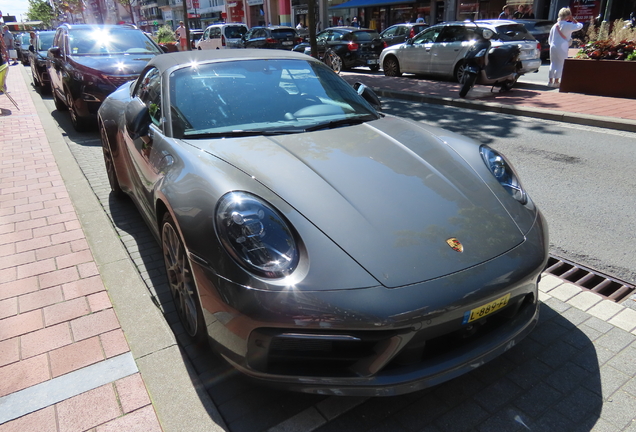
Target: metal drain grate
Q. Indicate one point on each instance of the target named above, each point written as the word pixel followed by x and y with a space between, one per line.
pixel 603 285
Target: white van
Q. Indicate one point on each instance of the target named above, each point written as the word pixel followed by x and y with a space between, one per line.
pixel 221 36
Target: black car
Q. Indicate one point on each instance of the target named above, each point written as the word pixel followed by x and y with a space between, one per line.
pixel 88 62
pixel 37 59
pixel 273 37
pixel 540 29
pixel 399 33
pixel 22 43
pixel 351 46
pixel 195 35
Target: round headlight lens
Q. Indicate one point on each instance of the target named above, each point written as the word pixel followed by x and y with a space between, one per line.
pixel 256 235
pixel 504 173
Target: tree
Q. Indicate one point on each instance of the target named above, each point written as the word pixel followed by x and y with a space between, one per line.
pixel 127 4
pixel 40 10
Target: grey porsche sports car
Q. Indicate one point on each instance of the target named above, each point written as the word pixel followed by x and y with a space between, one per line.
pixel 319 244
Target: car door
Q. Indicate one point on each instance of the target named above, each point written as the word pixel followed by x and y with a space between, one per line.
pixel 447 49
pixel 204 41
pixel 55 63
pixel 389 35
pixel 415 56
pixel 143 156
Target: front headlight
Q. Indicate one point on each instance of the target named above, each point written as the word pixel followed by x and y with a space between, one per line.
pixel 504 173
pixel 256 235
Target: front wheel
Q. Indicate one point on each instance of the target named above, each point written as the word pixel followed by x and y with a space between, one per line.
pixel 79 124
pixel 469 82
pixel 59 103
pixel 181 281
pixel 391 67
pixel 334 61
pixel 460 72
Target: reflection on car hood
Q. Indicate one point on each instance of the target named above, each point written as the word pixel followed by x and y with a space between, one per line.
pixel 387 192
pixel 127 64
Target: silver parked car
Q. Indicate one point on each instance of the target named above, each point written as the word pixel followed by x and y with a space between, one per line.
pixel 440 50
pixel 317 243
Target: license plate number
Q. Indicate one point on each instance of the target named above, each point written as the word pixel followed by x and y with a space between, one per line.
pixel 487 309
pixel 374 61
pixel 287 42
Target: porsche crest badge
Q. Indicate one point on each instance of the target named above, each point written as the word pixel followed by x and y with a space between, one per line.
pixel 455 244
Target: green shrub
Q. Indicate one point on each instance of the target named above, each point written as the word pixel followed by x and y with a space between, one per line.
pixel 165 34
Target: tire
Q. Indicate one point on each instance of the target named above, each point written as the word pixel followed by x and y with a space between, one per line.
pixel 460 72
pixel 79 124
pixel 36 81
pixel 333 60
pixel 181 281
pixel 374 68
pixel 469 82
pixel 391 67
pixel 59 103
pixel 109 162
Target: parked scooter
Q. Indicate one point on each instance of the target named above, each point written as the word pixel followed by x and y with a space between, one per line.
pixel 498 66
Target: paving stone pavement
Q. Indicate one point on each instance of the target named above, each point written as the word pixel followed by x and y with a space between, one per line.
pixel 576 371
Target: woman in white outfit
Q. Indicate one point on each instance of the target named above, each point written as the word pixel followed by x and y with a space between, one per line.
pixel 559 40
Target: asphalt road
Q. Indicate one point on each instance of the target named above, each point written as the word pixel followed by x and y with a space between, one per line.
pixel 578 176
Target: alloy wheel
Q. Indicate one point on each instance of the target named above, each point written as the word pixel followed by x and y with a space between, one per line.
pixel 180 279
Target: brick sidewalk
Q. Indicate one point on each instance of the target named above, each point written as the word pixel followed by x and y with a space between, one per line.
pixel 65 364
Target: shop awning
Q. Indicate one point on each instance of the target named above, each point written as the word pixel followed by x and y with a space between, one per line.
pixel 369 3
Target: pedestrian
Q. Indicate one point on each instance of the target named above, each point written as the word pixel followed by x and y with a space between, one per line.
pixel 506 12
pixel 420 19
pixel 521 10
pixel 529 13
pixel 182 36
pixel 9 44
pixel 559 40
pixel 340 23
pixel 355 23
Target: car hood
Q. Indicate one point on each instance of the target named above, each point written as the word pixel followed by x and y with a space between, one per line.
pixel 125 64
pixel 389 193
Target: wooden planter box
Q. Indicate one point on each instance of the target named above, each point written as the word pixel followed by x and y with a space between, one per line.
pixel 614 78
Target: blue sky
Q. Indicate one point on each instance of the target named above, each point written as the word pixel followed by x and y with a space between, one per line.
pixel 15 7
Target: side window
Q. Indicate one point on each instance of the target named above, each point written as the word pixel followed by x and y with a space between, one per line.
pixel 390 32
pixel 206 34
pixel 149 92
pixel 428 36
pixel 453 34
pixel 322 37
pixel 401 31
pixel 215 33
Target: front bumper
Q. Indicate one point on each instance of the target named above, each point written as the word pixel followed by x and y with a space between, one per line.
pixel 375 341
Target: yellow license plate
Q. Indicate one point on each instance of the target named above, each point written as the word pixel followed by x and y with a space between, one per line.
pixel 487 309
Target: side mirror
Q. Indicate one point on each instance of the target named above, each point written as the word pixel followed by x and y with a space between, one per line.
pixel 55 52
pixel 368 95
pixel 409 41
pixel 137 119
pixel 164 48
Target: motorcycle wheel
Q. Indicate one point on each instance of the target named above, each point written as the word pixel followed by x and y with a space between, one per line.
pixel 468 84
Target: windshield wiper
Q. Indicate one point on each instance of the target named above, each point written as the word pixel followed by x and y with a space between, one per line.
pixel 342 122
pixel 242 133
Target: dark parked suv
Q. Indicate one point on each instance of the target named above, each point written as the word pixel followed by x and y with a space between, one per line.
pixel 351 45
pixel 274 37
pixel 88 62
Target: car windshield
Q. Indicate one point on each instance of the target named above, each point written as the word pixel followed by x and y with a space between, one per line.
pixel 513 32
pixel 255 97
pixel 24 39
pixel 100 41
pixel 45 41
